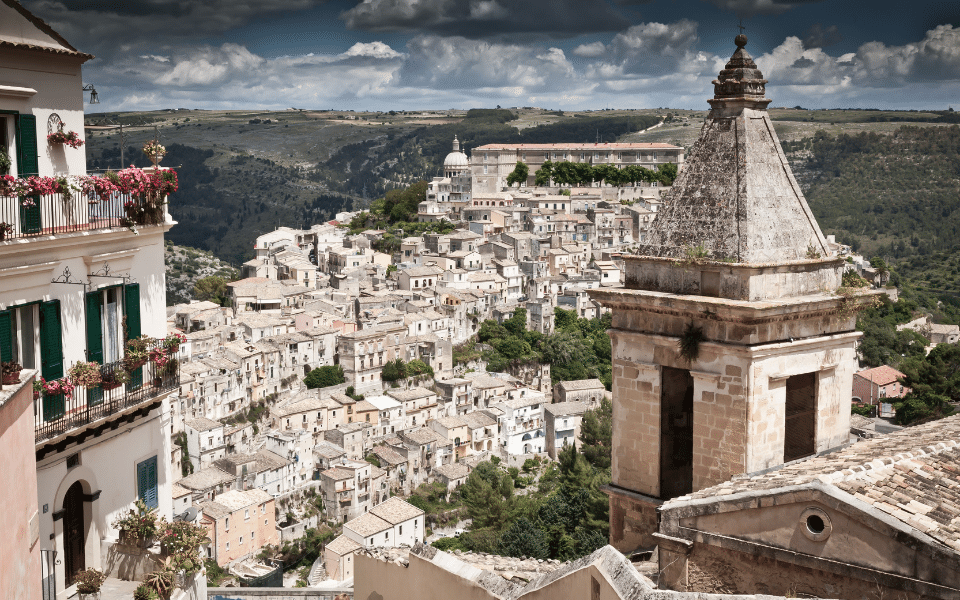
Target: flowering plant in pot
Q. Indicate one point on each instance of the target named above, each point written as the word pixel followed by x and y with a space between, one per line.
pixel 58 386
pixel 113 378
pixel 154 151
pixel 38 384
pixel 137 353
pixel 67 138
pixel 181 541
pixel 10 372
pixel 86 374
pixel 5 230
pixel 159 357
pixel 139 525
pixel 89 582
pixel 173 341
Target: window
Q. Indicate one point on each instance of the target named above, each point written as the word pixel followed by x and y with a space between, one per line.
pixel 228 545
pixel 226 523
pixel 246 515
pixel 401 530
pixel 241 540
pixel 147 481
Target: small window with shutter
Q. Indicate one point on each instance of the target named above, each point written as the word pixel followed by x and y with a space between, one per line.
pixel 147 482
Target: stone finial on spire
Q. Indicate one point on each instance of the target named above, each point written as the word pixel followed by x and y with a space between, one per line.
pixel 456 144
pixel 740 84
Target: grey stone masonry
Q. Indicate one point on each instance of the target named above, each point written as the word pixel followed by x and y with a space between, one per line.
pixel 736 197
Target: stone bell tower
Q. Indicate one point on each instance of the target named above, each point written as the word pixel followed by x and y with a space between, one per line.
pixel 733 351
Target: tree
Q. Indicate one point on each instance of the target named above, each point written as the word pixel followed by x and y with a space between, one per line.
pixel 883 272
pixel 212 288
pixel 524 539
pixel 516 325
pixel 394 370
pixel 519 174
pixel 607 174
pixel 544 174
pixel 324 376
pixel 490 330
pixel 667 172
pixel 596 434
pixel 487 494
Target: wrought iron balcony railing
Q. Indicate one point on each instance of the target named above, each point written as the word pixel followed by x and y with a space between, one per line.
pixel 56 414
pixel 51 214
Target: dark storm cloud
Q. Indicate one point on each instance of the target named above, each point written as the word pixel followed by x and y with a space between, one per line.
pixel 748 8
pixel 819 36
pixel 486 18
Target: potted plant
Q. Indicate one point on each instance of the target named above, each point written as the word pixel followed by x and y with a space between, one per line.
pixel 67 138
pixel 139 525
pixel 161 580
pixel 181 542
pixel 137 353
pixel 4 161
pixel 113 378
pixel 173 341
pixel 86 374
pixel 89 582
pixel 145 592
pixel 154 151
pixel 38 384
pixel 5 230
pixel 10 372
pixel 62 386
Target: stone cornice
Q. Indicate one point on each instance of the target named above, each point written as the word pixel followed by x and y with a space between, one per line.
pixel 739 311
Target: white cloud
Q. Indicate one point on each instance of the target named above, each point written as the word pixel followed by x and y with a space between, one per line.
pixel 371 50
pixel 591 50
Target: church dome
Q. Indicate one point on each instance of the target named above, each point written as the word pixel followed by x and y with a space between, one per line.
pixel 456 160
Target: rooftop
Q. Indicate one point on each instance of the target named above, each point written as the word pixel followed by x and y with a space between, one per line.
pixel 881 375
pixel 202 424
pixel 396 511
pixel 910 475
pixel 561 409
pixel 582 384
pixel 343 545
pixel 367 524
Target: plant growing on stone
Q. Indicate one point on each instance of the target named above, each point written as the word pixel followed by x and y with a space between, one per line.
pixel 161 580
pixel 182 542
pixel 813 252
pixel 689 344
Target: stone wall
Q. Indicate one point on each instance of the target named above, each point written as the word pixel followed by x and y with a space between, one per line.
pixel 297 530
pixel 633 520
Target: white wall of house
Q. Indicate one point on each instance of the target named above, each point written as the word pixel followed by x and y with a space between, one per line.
pixel 108 464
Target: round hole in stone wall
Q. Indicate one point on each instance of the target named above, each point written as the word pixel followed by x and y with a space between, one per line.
pixel 815 524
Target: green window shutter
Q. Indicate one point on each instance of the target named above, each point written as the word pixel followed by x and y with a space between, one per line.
pixel 147 481
pixel 51 341
pixel 28 162
pixel 6 337
pixel 132 310
pixel 94 328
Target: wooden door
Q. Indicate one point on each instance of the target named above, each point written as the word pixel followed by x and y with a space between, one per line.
pixel 73 530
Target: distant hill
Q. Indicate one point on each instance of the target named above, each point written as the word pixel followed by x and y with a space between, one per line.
pixel 185 266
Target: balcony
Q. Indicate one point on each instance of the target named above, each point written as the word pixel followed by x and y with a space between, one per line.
pixel 53 214
pixel 55 415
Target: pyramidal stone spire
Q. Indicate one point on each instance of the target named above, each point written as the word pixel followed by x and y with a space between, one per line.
pixel 736 199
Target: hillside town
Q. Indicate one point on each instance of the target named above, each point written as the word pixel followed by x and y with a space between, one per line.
pixel 312 405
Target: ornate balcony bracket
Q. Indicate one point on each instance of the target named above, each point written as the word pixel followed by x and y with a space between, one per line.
pixel 67 278
pixel 105 273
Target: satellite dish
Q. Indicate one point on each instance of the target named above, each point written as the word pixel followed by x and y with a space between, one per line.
pixel 189 515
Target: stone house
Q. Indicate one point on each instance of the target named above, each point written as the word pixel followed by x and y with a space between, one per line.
pixel 454 430
pixel 352 437
pixel 562 423
pixel 240 524
pixel 205 441
pixel 588 391
pixel 419 405
pixel 266 470
pixel 484 432
pixel 872 386
pixel 522 423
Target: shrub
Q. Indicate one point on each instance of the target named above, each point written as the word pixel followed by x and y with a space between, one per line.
pixel 326 376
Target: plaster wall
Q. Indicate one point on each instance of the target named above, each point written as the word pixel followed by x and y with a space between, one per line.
pixel 108 464
pixel 57 82
pixel 27 267
pixel 20 575
pixel 338 567
pixel 421 580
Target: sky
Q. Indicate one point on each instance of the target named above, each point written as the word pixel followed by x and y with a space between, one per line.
pixel 557 54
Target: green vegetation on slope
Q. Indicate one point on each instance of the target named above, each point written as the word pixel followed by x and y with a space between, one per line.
pixel 564 515
pixel 579 348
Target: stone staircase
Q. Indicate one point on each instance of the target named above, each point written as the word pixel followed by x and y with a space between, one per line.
pixel 317 573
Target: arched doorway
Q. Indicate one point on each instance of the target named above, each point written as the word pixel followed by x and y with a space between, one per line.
pixel 73 532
